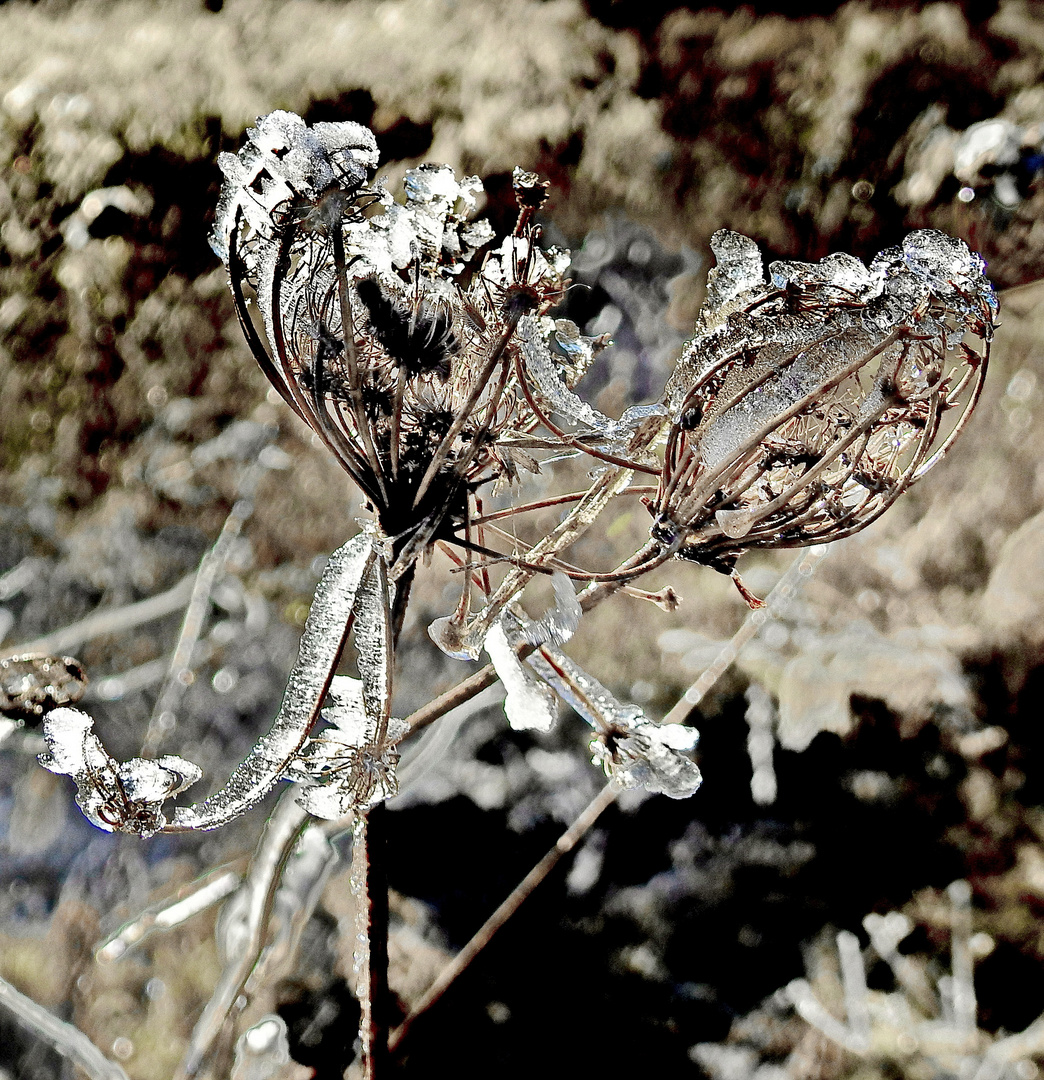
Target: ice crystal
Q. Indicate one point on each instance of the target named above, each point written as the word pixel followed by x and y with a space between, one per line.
pixel 116 796
pixel 560 621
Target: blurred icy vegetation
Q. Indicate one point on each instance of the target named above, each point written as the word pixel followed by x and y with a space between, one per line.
pixel 874 744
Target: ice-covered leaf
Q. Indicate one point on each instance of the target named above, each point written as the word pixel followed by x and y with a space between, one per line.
pixel 321 643
pixel 115 796
pixel 529 705
pixel 373 643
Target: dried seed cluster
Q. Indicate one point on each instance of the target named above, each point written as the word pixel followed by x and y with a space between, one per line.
pixel 378 329
pixel 808 402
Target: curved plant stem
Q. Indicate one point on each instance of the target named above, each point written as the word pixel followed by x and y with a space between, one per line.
pixel 67 1040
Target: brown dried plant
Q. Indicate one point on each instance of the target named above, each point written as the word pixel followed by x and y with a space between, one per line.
pixel 421 351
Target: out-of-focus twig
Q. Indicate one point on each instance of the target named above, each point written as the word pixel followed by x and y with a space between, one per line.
pixel 109 621
pixel 282 832
pixel 775 603
pixel 565 843
pixel 211 565
pixel 69 1041
pixel 165 916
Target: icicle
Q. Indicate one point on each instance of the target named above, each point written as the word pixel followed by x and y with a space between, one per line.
pixel 529 704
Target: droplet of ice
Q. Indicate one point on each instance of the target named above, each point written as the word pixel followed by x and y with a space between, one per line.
pixel 739 267
pixel 735 523
pixel 448 633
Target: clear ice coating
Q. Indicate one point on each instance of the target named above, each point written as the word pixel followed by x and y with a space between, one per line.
pixel 529 705
pixel 845 318
pixel 556 390
pixel 633 750
pixel 284 157
pixel 351 765
pixel 262 1051
pixel 738 270
pixel 560 621
pixel 324 634
pixel 115 796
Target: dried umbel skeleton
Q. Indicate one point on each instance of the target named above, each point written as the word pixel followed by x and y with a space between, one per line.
pixel 808 400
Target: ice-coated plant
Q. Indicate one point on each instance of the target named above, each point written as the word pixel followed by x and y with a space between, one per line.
pixel 420 349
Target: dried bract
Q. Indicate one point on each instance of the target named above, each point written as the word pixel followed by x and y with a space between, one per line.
pixel 808 402
pixel 350 766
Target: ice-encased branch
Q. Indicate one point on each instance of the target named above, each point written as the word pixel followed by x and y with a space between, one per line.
pixel 322 642
pixel 129 796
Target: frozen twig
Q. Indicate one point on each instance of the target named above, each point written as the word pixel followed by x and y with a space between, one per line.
pixel 812 1012
pixel 853 976
pixel 67 1040
pixel 116 620
pixel 965 1006
pixel 246 929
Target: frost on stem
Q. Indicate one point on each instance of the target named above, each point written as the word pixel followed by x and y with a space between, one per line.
pixel 631 749
pixel 808 401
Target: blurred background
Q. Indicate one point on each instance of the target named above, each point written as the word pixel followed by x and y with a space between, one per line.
pixel 888 721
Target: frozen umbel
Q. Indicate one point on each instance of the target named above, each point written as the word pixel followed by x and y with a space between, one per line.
pixel 420 349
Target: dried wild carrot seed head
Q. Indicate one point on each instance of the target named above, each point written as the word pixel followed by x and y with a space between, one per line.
pixel 379 330
pixel 807 403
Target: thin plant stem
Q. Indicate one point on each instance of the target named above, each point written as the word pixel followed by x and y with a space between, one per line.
pixel 381 1009
pixel 67 1040
pixel 776 601
pixel 564 844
